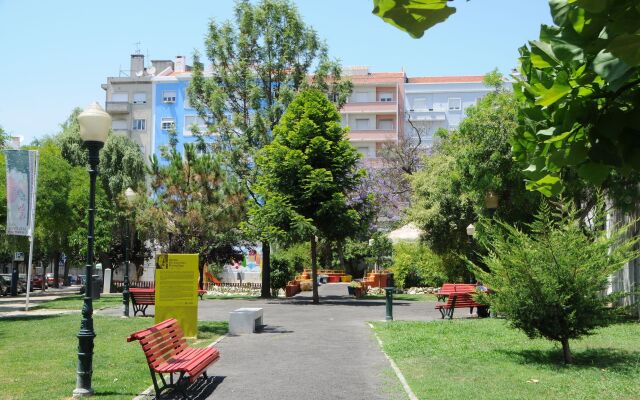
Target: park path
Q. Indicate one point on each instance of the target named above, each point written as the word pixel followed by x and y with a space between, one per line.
pixel 307 351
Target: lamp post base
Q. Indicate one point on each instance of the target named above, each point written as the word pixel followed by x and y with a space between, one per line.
pixel 79 393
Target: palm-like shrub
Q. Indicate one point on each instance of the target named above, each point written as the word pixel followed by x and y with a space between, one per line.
pixel 550 282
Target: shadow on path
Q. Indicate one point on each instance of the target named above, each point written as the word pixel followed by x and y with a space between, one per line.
pixel 198 390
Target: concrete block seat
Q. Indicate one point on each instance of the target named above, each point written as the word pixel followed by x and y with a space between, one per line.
pixel 245 320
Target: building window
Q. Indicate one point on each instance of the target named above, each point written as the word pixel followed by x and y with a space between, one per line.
pixel 139 98
pixel 419 103
pixel 119 125
pixel 364 150
pixel 360 97
pixel 385 96
pixel 139 124
pixel 120 96
pixel 455 104
pixel 169 96
pixel 168 123
pixel 189 121
pixel 385 124
pixel 362 124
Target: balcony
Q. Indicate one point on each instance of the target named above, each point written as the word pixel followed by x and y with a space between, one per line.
pixel 118 107
pixel 424 115
pixel 373 135
pixel 378 107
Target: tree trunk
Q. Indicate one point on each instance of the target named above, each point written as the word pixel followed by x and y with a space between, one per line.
pixel 566 351
pixel 65 273
pixel 341 256
pixel 201 262
pixel 265 292
pixel 56 260
pixel 314 270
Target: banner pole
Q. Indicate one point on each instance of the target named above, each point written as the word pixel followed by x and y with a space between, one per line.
pixel 32 228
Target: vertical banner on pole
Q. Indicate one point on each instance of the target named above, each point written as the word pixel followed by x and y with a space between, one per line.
pixel 22 178
pixel 177 290
pixel 20 182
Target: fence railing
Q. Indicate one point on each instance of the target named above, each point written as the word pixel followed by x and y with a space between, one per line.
pixel 209 285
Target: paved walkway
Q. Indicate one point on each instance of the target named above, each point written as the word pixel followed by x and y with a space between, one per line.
pixel 307 351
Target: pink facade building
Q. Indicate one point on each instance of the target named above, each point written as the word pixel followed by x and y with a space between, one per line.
pixel 374 112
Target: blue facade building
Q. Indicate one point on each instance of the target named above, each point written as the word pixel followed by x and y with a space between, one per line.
pixel 171 109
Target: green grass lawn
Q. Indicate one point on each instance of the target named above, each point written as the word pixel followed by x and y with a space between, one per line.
pixel 38 356
pixel 403 296
pixel 75 302
pixel 485 359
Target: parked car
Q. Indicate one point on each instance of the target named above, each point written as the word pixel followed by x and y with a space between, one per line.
pixel 37 281
pixel 22 286
pixel 51 280
pixel 5 286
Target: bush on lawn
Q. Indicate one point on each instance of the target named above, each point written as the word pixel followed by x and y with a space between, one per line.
pixel 416 265
pixel 550 282
pixel 281 273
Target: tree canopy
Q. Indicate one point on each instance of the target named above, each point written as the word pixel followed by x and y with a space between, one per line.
pixel 258 62
pixel 310 170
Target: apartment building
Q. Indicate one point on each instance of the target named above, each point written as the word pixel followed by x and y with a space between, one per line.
pixel 435 102
pixel 171 108
pixel 128 101
pixel 374 111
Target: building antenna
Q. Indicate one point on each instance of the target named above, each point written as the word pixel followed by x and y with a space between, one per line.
pixel 137 44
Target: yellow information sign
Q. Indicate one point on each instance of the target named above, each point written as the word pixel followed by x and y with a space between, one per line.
pixel 177 290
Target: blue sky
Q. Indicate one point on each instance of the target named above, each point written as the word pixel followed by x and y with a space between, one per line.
pixel 55 54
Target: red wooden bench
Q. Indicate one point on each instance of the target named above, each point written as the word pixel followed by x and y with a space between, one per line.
pixel 448 288
pixel 167 352
pixel 143 298
pixel 457 300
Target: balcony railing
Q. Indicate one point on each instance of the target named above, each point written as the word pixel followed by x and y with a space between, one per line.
pixel 118 107
pixel 370 107
pixel 373 135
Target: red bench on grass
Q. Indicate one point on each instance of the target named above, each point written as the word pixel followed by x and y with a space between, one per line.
pixel 448 288
pixel 167 352
pixel 143 298
pixel 457 300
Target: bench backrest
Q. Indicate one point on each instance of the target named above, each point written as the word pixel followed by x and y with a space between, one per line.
pixel 462 300
pixel 457 288
pixel 143 296
pixel 160 342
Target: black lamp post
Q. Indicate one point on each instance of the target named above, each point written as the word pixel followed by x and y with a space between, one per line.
pixel 471 230
pixel 131 196
pixel 94 128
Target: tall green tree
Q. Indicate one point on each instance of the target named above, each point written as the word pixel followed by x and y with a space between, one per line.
pixel 4 137
pixel 121 166
pixel 259 61
pixel 194 206
pixel 311 168
pixel 550 281
pixel 53 212
pixel 467 164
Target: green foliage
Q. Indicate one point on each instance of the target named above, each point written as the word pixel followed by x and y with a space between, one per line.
pixel 281 272
pixel 310 168
pixel 70 142
pixel 449 192
pixel 550 282
pixel 415 265
pixel 194 208
pixel 579 93
pixel 297 255
pixel 121 166
pixel 380 250
pixel 413 16
pixel 4 137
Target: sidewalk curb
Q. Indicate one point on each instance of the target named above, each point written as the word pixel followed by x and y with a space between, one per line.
pixel 148 393
pixel 395 368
